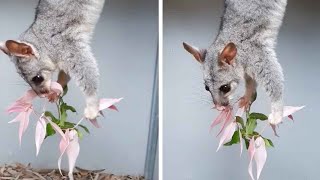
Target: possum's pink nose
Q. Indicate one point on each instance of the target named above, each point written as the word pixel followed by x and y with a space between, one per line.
pixel 218 107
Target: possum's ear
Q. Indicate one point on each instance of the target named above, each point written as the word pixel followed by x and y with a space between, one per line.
pixel 228 54
pixel 196 52
pixel 3 47
pixel 18 49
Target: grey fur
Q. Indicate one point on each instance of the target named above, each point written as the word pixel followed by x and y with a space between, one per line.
pixel 60 37
pixel 253 26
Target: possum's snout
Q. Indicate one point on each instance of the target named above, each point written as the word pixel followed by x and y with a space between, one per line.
pixel 225 103
pixel 220 101
pixel 44 91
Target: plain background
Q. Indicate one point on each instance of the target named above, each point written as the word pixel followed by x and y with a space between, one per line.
pixel 189 148
pixel 125 45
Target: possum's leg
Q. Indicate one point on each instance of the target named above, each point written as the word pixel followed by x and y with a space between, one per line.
pixel 63 78
pixel 82 67
pixel 251 86
pixel 269 74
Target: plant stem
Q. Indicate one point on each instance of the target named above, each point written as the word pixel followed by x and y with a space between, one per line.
pixel 58 107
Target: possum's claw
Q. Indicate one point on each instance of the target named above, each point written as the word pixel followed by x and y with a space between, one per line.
pixel 91 112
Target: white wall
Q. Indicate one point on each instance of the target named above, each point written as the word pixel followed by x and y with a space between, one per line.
pixel 189 148
pixel 125 45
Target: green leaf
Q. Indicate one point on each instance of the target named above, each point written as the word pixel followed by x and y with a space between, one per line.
pixel 254 97
pixel 70 108
pixel 240 120
pixel 65 107
pixel 67 125
pixel 235 139
pixel 260 116
pixel 251 126
pixel 84 128
pixel 65 90
pixel 80 135
pixel 50 130
pixel 49 114
pixel 247 142
pixel 255 133
pixel 268 142
pixel 63 118
pixel 63 112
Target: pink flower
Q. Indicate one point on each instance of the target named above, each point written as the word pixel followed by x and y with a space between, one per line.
pixel 40 133
pixel 70 145
pixel 227 134
pixel 224 117
pixel 23 106
pixel 41 129
pixel 287 112
pixel 69 140
pixel 55 91
pixel 229 125
pixel 105 104
pixel 257 151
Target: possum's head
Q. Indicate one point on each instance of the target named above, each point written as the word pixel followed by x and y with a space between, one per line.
pixel 34 70
pixel 221 76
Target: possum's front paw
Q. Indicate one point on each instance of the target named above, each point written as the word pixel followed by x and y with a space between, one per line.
pixel 276 112
pixel 53 97
pixel 276 117
pixel 91 112
pixel 244 102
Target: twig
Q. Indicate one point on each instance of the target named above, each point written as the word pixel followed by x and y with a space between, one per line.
pixel 37 174
pixel 96 177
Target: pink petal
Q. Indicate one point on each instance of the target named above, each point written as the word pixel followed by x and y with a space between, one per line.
pixel 251 151
pixel 27 118
pixel 40 133
pixel 241 144
pixel 289 110
pixel 228 119
pixel 23 118
pixel 28 96
pixel 20 118
pixel 113 107
pixel 95 123
pixel 219 119
pixel 63 145
pixel 108 103
pixel 22 127
pixel 260 155
pixel 227 134
pixel 240 112
pixel 56 87
pixel 56 127
pixel 18 107
pixel 22 103
pixel 73 151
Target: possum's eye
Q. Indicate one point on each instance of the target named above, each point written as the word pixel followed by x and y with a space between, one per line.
pixel 37 79
pixel 225 88
pixel 207 88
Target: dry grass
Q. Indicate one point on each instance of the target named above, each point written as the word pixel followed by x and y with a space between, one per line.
pixel 22 172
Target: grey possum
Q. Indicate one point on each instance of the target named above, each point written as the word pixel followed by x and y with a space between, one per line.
pixel 244 49
pixel 58 39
